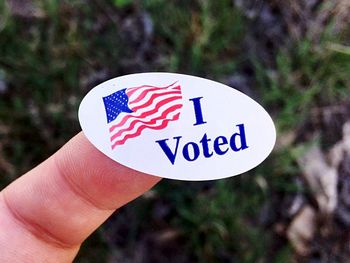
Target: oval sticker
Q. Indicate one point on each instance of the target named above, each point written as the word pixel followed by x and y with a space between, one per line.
pixel 177 126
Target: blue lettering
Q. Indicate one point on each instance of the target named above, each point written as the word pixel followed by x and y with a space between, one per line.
pixel 219 141
pixel 168 152
pixel 198 111
pixel 242 137
pixel 205 146
pixel 191 151
pixel 186 151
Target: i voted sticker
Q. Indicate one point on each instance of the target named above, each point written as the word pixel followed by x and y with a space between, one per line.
pixel 177 126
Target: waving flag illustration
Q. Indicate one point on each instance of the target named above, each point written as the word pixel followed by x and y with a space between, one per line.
pixel 129 111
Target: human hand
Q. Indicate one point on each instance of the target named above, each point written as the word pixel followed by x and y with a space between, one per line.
pixel 47 213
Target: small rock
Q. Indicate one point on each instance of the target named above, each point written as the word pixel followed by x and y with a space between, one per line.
pixel 302 229
pixel 321 178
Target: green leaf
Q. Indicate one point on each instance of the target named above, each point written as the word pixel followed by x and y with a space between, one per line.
pixel 122 3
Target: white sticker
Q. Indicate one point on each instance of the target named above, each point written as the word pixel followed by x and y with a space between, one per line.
pixel 177 126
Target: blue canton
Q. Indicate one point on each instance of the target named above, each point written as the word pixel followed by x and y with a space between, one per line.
pixel 115 104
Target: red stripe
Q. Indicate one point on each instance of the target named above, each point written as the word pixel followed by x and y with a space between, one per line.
pixel 152 98
pixel 141 128
pixel 142 95
pixel 145 114
pixel 150 122
pixel 145 92
pixel 132 90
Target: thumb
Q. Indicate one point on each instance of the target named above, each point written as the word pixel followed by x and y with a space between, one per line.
pixel 47 213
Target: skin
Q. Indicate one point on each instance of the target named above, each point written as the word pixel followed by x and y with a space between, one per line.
pixel 47 213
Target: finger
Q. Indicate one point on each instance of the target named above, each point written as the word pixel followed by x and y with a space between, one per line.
pixel 63 200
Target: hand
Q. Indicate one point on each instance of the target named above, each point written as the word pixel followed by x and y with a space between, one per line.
pixel 47 213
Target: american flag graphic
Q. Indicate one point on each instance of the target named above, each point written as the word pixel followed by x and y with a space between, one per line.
pixel 129 111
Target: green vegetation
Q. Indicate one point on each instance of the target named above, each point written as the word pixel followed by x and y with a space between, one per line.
pixel 200 36
pixel 306 76
pixel 50 59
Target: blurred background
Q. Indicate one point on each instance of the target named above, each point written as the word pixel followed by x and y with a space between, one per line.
pixel 292 56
